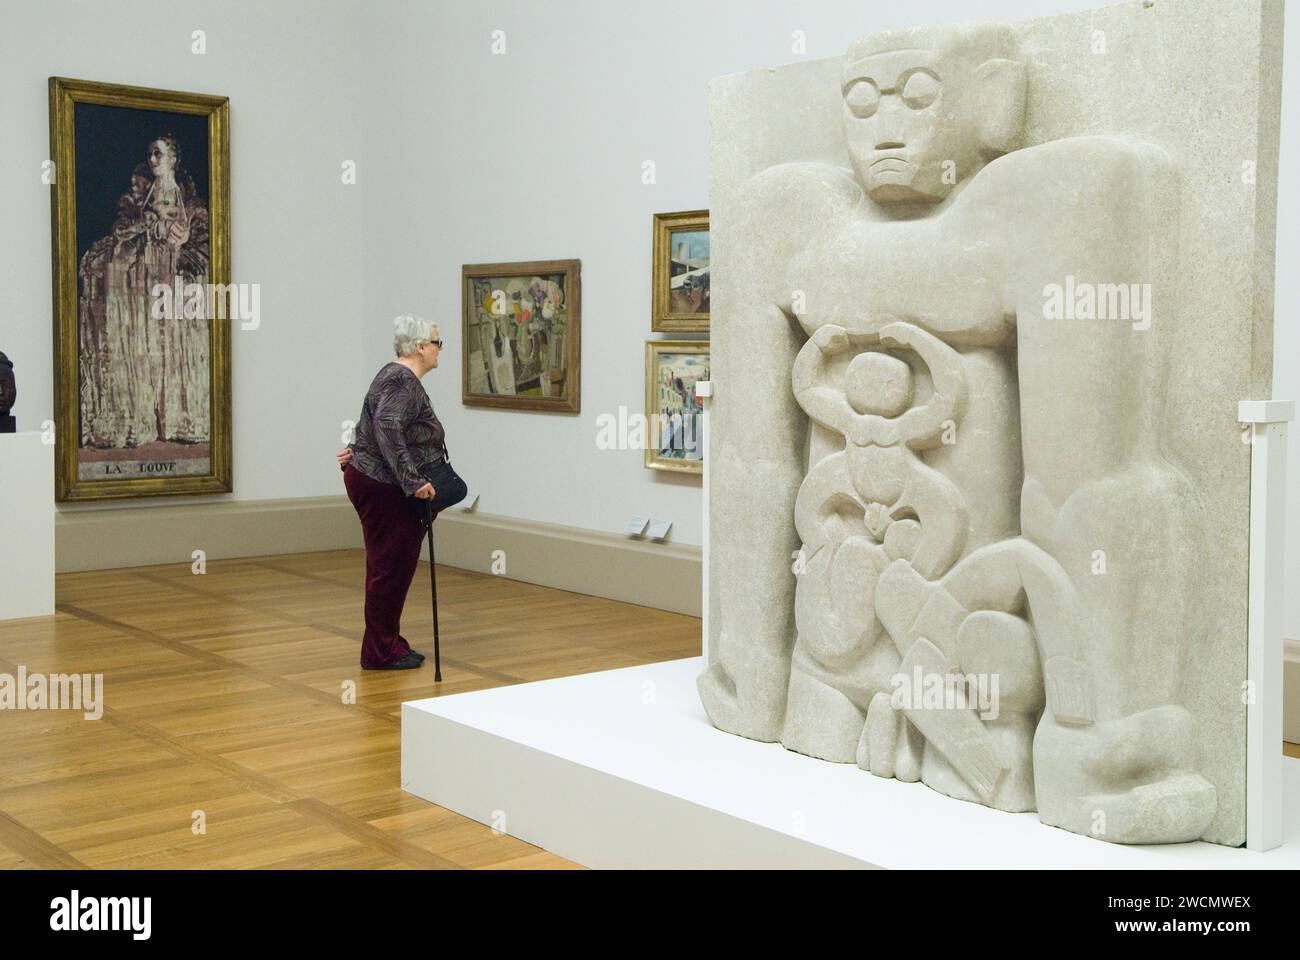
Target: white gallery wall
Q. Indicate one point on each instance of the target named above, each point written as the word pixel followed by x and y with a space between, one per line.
pixel 463 156
pixel 291 69
pixel 537 153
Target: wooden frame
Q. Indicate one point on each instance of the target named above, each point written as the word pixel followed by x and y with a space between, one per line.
pixel 691 434
pixel 663 319
pixel 151 476
pixel 566 340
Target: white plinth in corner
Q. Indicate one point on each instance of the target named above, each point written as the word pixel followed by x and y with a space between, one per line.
pixel 26 526
pixel 623 769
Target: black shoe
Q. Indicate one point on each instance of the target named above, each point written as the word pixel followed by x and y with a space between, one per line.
pixel 410 651
pixel 408 662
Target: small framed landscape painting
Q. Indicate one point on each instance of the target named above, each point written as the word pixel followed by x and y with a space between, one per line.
pixel 520 335
pixel 674 415
pixel 679 283
pixel 141 225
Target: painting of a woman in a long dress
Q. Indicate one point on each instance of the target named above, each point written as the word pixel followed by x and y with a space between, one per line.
pixel 145 377
pixel 140 215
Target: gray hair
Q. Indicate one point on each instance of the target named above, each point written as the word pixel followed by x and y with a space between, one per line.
pixel 409 331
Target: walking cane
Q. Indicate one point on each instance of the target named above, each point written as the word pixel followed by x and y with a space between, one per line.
pixel 433 584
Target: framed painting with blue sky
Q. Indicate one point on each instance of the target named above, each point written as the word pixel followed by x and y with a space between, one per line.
pixel 680 273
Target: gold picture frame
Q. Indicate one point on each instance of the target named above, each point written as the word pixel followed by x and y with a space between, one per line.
pixel 679 278
pixel 521 335
pixel 127 424
pixel 672 368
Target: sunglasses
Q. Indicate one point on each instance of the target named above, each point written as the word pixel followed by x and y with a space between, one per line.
pixel 436 343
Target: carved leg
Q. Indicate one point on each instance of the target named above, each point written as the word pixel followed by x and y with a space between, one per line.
pixel 890 745
pixel 999 577
pixel 878 748
pixel 988 648
pixel 956 733
pixel 1133 775
pixel 743 689
pixel 757 469
pixel 998 654
pixel 820 721
pixel 756 710
pixel 1126 781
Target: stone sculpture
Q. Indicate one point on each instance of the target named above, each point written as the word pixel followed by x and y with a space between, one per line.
pixel 979 487
pixel 8 394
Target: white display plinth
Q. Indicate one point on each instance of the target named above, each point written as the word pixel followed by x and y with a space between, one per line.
pixel 1265 665
pixel 27 519
pixel 623 769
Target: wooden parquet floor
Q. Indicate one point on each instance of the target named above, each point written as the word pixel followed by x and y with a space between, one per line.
pixel 224 707
pixel 224 696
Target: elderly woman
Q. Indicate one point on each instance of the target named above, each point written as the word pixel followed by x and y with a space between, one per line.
pixel 399 445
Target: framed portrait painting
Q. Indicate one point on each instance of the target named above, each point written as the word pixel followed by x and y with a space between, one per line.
pixel 521 335
pixel 674 415
pixel 141 229
pixel 679 283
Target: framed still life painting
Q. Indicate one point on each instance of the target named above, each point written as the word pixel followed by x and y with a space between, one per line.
pixel 520 335
pixel 679 282
pixel 674 415
pixel 141 229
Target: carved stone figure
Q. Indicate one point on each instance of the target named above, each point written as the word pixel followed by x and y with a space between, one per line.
pixel 980 488
pixel 8 394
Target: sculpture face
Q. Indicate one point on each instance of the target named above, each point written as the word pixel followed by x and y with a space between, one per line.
pixel 921 117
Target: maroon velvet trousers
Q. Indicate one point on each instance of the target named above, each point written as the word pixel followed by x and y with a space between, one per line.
pixel 393 536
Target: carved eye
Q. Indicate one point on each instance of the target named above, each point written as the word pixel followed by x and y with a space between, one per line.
pixel 862 98
pixel 920 90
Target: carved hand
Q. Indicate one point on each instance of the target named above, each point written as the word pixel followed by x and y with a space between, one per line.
pixel 831 338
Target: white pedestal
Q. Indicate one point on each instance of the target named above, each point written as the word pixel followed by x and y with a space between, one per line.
pixel 1265 665
pixel 704 390
pixel 27 521
pixel 622 769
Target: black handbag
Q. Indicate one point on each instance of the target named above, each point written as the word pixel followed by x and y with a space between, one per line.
pixel 448 488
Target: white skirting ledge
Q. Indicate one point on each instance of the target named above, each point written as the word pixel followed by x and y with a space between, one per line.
pixel 107 536
pixel 666 576
pixel 622 769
